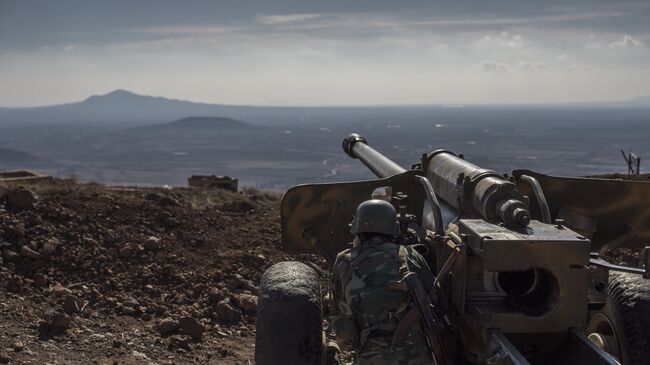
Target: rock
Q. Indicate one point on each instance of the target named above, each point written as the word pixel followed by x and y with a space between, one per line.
pixel 180 342
pixel 131 303
pixel 60 291
pixel 26 251
pixel 167 325
pixel 152 243
pixel 167 201
pixel 130 250
pixel 129 311
pixel 227 312
pixel 4 359
pixel 10 256
pixel 48 248
pixel 71 305
pixel 18 346
pixel 215 296
pixel 56 323
pixel 247 303
pixel 167 220
pixel 40 280
pixel 15 284
pixel 154 196
pixel 19 200
pixel 191 327
pixel 238 282
pixel 92 242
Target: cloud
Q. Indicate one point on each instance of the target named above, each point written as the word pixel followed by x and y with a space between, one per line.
pixel 577 67
pixel 492 66
pixel 524 65
pixel 593 43
pixel 69 48
pixel 286 18
pixel 502 40
pixel 627 42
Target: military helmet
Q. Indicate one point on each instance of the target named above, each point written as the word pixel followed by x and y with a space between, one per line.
pixel 375 216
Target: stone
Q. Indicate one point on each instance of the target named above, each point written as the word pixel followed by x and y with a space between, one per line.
pixel 167 220
pixel 56 323
pixel 10 255
pixel 227 312
pixel 247 303
pixel 167 201
pixel 154 196
pixel 40 280
pixel 215 296
pixel 15 284
pixel 4 359
pixel 152 243
pixel 26 251
pixel 192 327
pixel 18 346
pixel 167 325
pixel 238 282
pixel 71 305
pixel 19 200
pixel 127 251
pixel 60 291
pixel 48 248
pixel 180 342
pixel 131 302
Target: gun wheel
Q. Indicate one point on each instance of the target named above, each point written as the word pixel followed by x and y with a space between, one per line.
pixel 622 327
pixel 289 316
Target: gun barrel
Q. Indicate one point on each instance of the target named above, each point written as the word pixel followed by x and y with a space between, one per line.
pixel 468 187
pixel 357 147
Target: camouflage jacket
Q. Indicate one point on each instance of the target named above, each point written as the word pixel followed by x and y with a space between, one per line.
pixel 368 307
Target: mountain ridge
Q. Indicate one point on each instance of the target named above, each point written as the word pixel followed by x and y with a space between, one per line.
pixel 200 123
pixel 123 108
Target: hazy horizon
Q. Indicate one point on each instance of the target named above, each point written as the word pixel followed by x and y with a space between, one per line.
pixel 335 53
pixel 644 102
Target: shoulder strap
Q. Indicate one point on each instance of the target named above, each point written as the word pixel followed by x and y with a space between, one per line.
pixel 403 261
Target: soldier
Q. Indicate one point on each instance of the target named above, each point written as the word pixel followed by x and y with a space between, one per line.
pixel 369 304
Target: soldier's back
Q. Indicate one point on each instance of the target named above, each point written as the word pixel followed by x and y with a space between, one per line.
pixel 366 274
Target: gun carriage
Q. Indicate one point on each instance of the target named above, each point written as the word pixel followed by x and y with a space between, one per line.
pixel 517 259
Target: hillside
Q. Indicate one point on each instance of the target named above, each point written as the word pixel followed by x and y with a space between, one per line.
pixel 90 274
pixel 93 274
pixel 200 123
pixel 11 158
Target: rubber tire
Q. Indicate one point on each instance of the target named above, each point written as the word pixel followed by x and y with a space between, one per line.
pixel 628 308
pixel 289 316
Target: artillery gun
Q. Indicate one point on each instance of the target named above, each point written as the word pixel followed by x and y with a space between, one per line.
pixel 516 257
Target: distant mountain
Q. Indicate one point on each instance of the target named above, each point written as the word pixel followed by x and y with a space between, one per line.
pixel 200 124
pixel 10 159
pixel 121 107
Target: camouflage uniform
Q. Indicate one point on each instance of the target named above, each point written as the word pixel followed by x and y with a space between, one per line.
pixel 369 307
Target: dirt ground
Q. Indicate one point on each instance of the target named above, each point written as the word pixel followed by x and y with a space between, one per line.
pixel 97 275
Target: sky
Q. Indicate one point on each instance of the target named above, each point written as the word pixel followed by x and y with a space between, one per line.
pixel 328 52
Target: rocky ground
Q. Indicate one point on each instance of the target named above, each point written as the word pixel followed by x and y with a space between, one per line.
pixel 97 275
pixel 90 274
